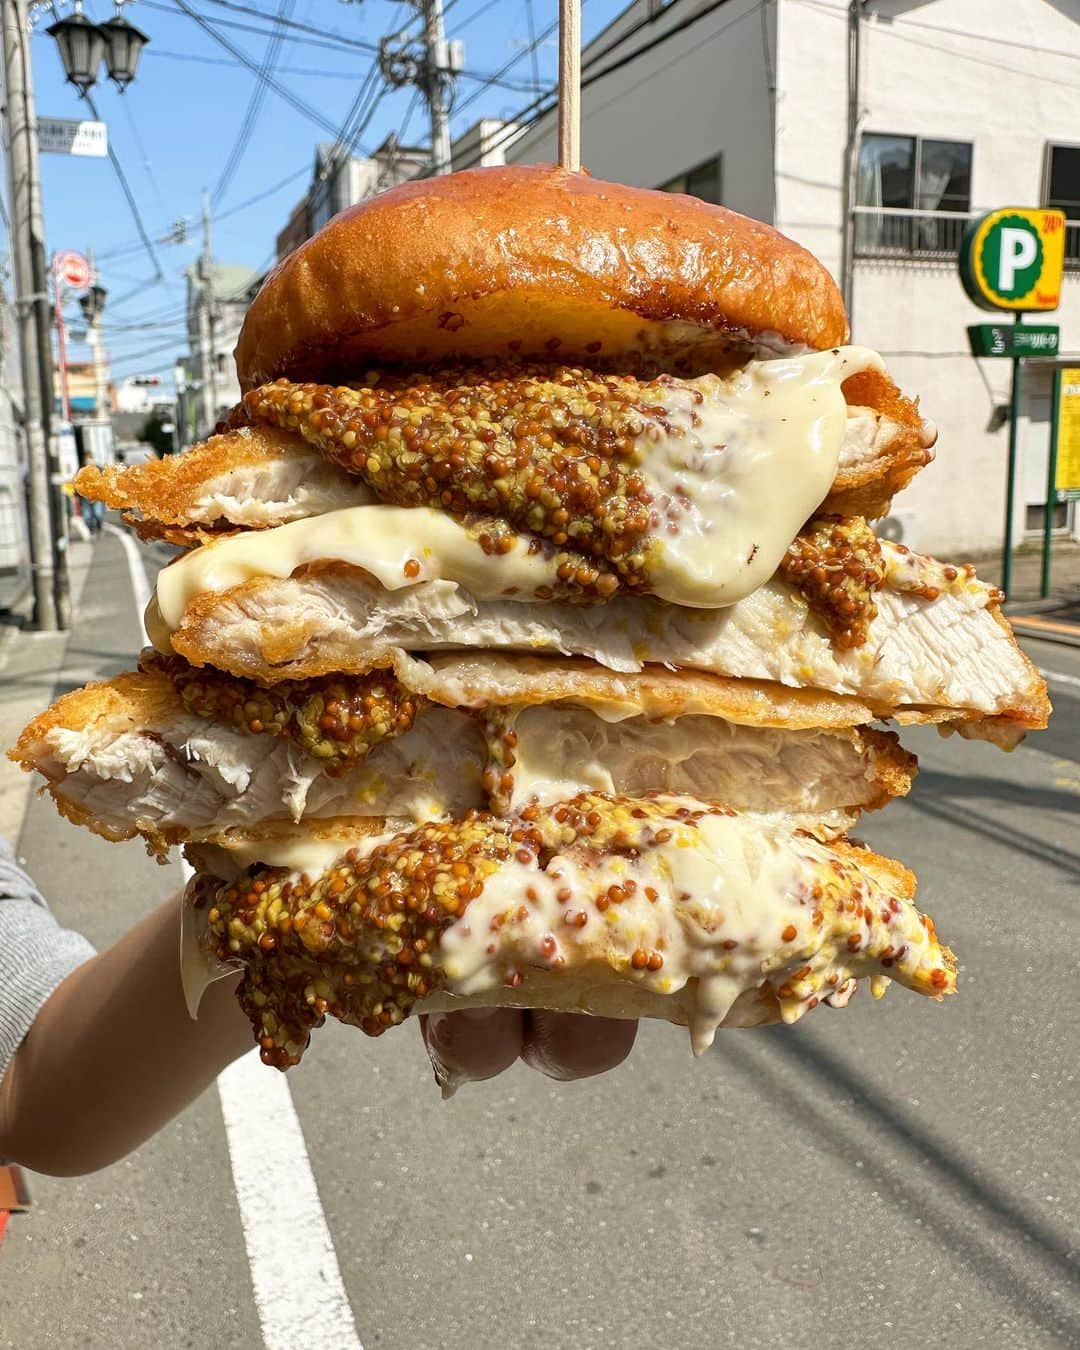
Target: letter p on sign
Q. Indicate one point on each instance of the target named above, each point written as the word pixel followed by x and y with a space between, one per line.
pixel 1013 259
pixel 1019 249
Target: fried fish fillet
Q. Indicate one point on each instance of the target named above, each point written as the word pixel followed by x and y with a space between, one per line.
pixel 660 906
pixel 938 649
pixel 130 756
pixel 256 477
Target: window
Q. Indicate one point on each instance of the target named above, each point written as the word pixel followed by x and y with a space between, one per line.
pixel 906 191
pixel 1062 189
pixel 703 182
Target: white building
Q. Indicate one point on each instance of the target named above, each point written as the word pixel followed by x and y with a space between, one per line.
pixel 486 143
pixel 962 106
pixel 140 394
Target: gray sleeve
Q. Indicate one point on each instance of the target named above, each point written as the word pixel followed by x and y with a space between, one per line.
pixel 35 954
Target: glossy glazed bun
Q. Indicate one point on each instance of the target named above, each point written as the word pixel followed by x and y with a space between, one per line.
pixel 532 262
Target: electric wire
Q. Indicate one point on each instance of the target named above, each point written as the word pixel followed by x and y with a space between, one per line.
pixel 532 113
pixel 255 102
pixel 327 41
pixel 132 203
pixel 283 92
pixel 198 58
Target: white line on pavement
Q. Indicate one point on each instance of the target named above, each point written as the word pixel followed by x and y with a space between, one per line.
pixel 139 584
pixel 298 1287
pixel 295 1276
pixel 1059 677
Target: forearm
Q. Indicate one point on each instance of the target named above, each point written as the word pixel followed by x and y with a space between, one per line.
pixel 113 1054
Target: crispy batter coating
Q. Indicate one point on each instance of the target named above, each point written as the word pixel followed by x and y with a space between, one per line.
pixel 364 941
pixel 836 562
pixel 903 446
pixel 166 490
pixel 335 718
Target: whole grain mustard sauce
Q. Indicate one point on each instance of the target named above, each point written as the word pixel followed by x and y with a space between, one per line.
pixel 735 466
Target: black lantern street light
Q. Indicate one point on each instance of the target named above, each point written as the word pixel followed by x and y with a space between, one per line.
pixel 93 302
pixel 83 45
pixel 123 47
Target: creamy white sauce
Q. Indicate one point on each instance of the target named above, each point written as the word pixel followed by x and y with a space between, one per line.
pixel 300 851
pixel 400 546
pixel 734 479
pixel 729 881
pixel 743 470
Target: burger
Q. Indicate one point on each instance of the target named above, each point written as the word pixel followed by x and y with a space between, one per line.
pixel 531 643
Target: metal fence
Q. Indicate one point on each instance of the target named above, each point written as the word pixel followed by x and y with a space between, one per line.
pixel 900 232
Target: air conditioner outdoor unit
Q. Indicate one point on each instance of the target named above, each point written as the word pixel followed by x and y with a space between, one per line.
pixel 899 527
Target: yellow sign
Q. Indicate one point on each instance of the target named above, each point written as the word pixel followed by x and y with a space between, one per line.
pixel 1067 478
pixel 1013 258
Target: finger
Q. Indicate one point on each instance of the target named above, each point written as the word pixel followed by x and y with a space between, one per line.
pixel 471 1045
pixel 573 1045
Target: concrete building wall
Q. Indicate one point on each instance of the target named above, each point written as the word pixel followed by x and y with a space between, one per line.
pixel 969 84
pixel 702 92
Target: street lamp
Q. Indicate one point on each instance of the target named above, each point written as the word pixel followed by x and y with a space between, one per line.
pixel 93 302
pixel 123 47
pixel 82 45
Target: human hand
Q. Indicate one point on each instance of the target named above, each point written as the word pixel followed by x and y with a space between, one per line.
pixel 478 1043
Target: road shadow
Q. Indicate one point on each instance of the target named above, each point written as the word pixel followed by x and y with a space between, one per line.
pixel 947 796
pixel 891 1125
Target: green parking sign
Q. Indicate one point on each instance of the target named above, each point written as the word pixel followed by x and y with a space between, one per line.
pixel 1013 258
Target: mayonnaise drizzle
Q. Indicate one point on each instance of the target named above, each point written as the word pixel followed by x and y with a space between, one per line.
pixel 745 468
pixel 736 465
pixel 733 912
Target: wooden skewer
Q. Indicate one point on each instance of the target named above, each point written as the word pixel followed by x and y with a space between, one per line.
pixel 570 84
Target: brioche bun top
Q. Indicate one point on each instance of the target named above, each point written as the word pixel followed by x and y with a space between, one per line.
pixel 532 261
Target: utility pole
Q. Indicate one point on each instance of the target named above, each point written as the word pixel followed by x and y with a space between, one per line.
pixel 207 322
pixel 48 526
pixel 431 65
pixel 436 87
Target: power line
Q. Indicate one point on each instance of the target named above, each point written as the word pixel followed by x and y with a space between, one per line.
pixel 293 100
pixel 889 30
pixel 329 42
pixel 125 185
pixel 533 112
pixel 255 102
pixel 314 72
pixel 266 192
pixel 985 37
pixel 293 24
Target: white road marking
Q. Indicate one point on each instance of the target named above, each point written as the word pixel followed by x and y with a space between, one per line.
pixel 1059 677
pixel 139 585
pixel 297 1282
pixel 299 1293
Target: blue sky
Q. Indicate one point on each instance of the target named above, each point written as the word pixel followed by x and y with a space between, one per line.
pixel 175 127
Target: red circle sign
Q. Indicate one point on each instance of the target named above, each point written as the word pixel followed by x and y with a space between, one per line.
pixel 74 269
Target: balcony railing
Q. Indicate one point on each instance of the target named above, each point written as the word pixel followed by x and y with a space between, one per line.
pixel 900 232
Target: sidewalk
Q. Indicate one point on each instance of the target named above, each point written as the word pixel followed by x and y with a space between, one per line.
pixel 1055 619
pixel 30 664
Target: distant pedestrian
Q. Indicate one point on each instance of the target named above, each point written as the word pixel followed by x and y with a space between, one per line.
pixel 93 513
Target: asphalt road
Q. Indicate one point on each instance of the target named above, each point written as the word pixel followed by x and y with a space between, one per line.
pixel 901 1173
